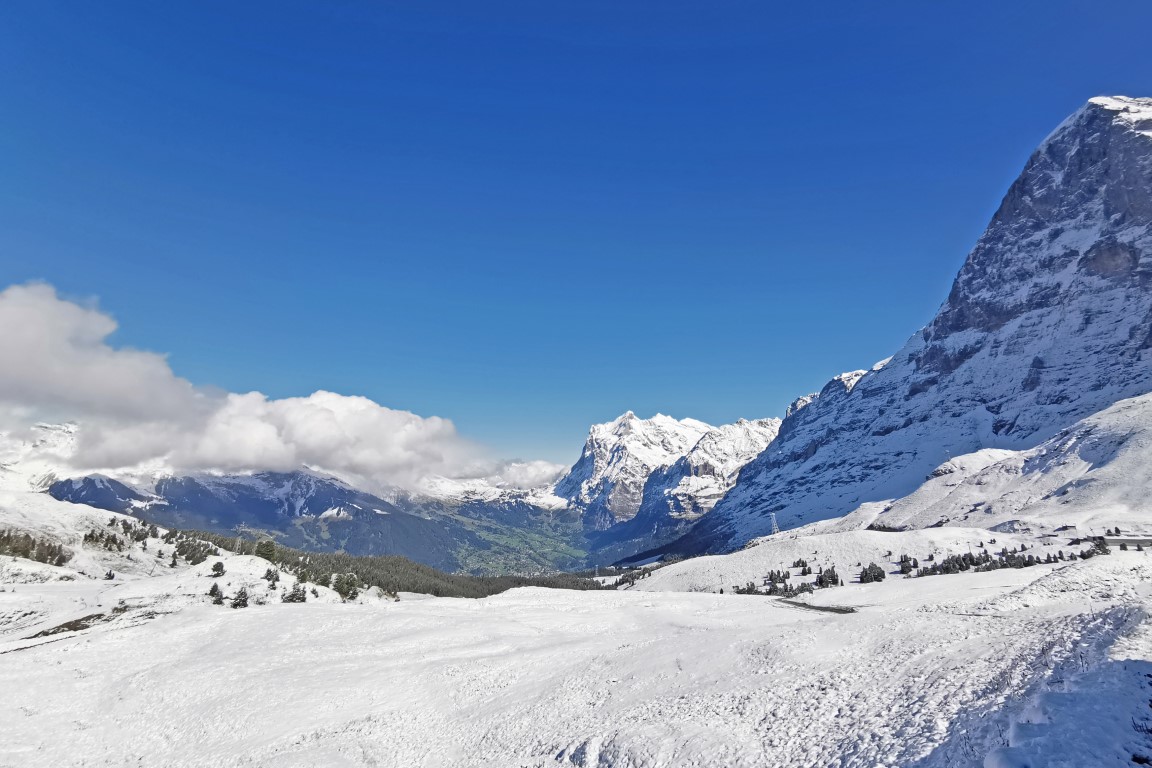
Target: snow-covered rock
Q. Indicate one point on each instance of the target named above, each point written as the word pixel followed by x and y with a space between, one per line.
pixel 607 482
pixel 1048 322
pixel 1091 476
pixel 692 485
pixel 679 494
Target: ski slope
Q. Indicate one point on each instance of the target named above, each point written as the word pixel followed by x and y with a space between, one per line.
pixel 927 672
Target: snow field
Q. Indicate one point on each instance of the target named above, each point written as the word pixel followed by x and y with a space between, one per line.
pixel 539 677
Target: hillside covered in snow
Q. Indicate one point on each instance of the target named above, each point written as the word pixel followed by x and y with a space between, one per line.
pixel 1048 322
pixel 963 578
pixel 123 655
pixel 638 483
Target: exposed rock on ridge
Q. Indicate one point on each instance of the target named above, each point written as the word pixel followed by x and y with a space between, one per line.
pixel 1048 321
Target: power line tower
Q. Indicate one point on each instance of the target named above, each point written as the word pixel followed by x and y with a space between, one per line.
pixel 775 527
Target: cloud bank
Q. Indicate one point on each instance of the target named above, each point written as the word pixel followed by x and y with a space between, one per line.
pixel 56 364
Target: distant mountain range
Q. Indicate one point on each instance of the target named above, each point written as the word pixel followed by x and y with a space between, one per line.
pixel 1012 403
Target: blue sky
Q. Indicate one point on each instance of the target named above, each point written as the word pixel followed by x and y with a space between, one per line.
pixel 528 216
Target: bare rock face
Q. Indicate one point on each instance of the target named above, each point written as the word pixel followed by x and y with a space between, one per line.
pixel 1048 321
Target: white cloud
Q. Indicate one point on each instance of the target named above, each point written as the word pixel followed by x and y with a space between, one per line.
pixel 53 355
pixel 56 364
pixel 526 474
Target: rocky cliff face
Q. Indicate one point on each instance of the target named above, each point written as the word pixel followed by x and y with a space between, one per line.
pixel 676 496
pixel 607 482
pixel 693 485
pixel 1048 321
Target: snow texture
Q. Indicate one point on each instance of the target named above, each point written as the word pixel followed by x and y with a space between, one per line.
pixel 958 671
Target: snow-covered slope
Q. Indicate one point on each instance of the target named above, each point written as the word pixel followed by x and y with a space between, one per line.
pixel 31 461
pixel 607 482
pixel 942 672
pixel 1048 322
pixel 1093 475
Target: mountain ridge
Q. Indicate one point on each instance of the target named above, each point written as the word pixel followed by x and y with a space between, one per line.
pixel 1048 321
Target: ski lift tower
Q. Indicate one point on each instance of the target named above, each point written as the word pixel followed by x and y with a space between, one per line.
pixel 775 527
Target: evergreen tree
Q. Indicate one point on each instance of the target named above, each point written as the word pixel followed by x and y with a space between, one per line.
pixel 266 549
pixel 217 569
pixel 296 595
pixel 215 590
pixel 346 585
pixel 241 599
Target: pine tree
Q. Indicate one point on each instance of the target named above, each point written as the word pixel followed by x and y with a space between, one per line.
pixel 296 595
pixel 346 585
pixel 215 590
pixel 217 569
pixel 241 599
pixel 266 549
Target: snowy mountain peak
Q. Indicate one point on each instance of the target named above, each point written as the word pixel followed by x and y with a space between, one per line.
pixel 1137 112
pixel 1048 321
pixel 607 482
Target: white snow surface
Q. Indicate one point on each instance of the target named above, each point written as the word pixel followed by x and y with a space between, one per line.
pixel 1094 475
pixel 933 672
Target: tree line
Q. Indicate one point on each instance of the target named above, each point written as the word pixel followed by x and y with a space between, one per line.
pixel 391 573
pixel 19 544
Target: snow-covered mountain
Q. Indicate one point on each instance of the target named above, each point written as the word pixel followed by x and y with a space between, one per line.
pixel 607 482
pixel 676 470
pixel 32 461
pixel 697 480
pixel 1091 476
pixel 675 496
pixel 303 509
pixel 470 527
pixel 1048 322
pixel 1043 666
